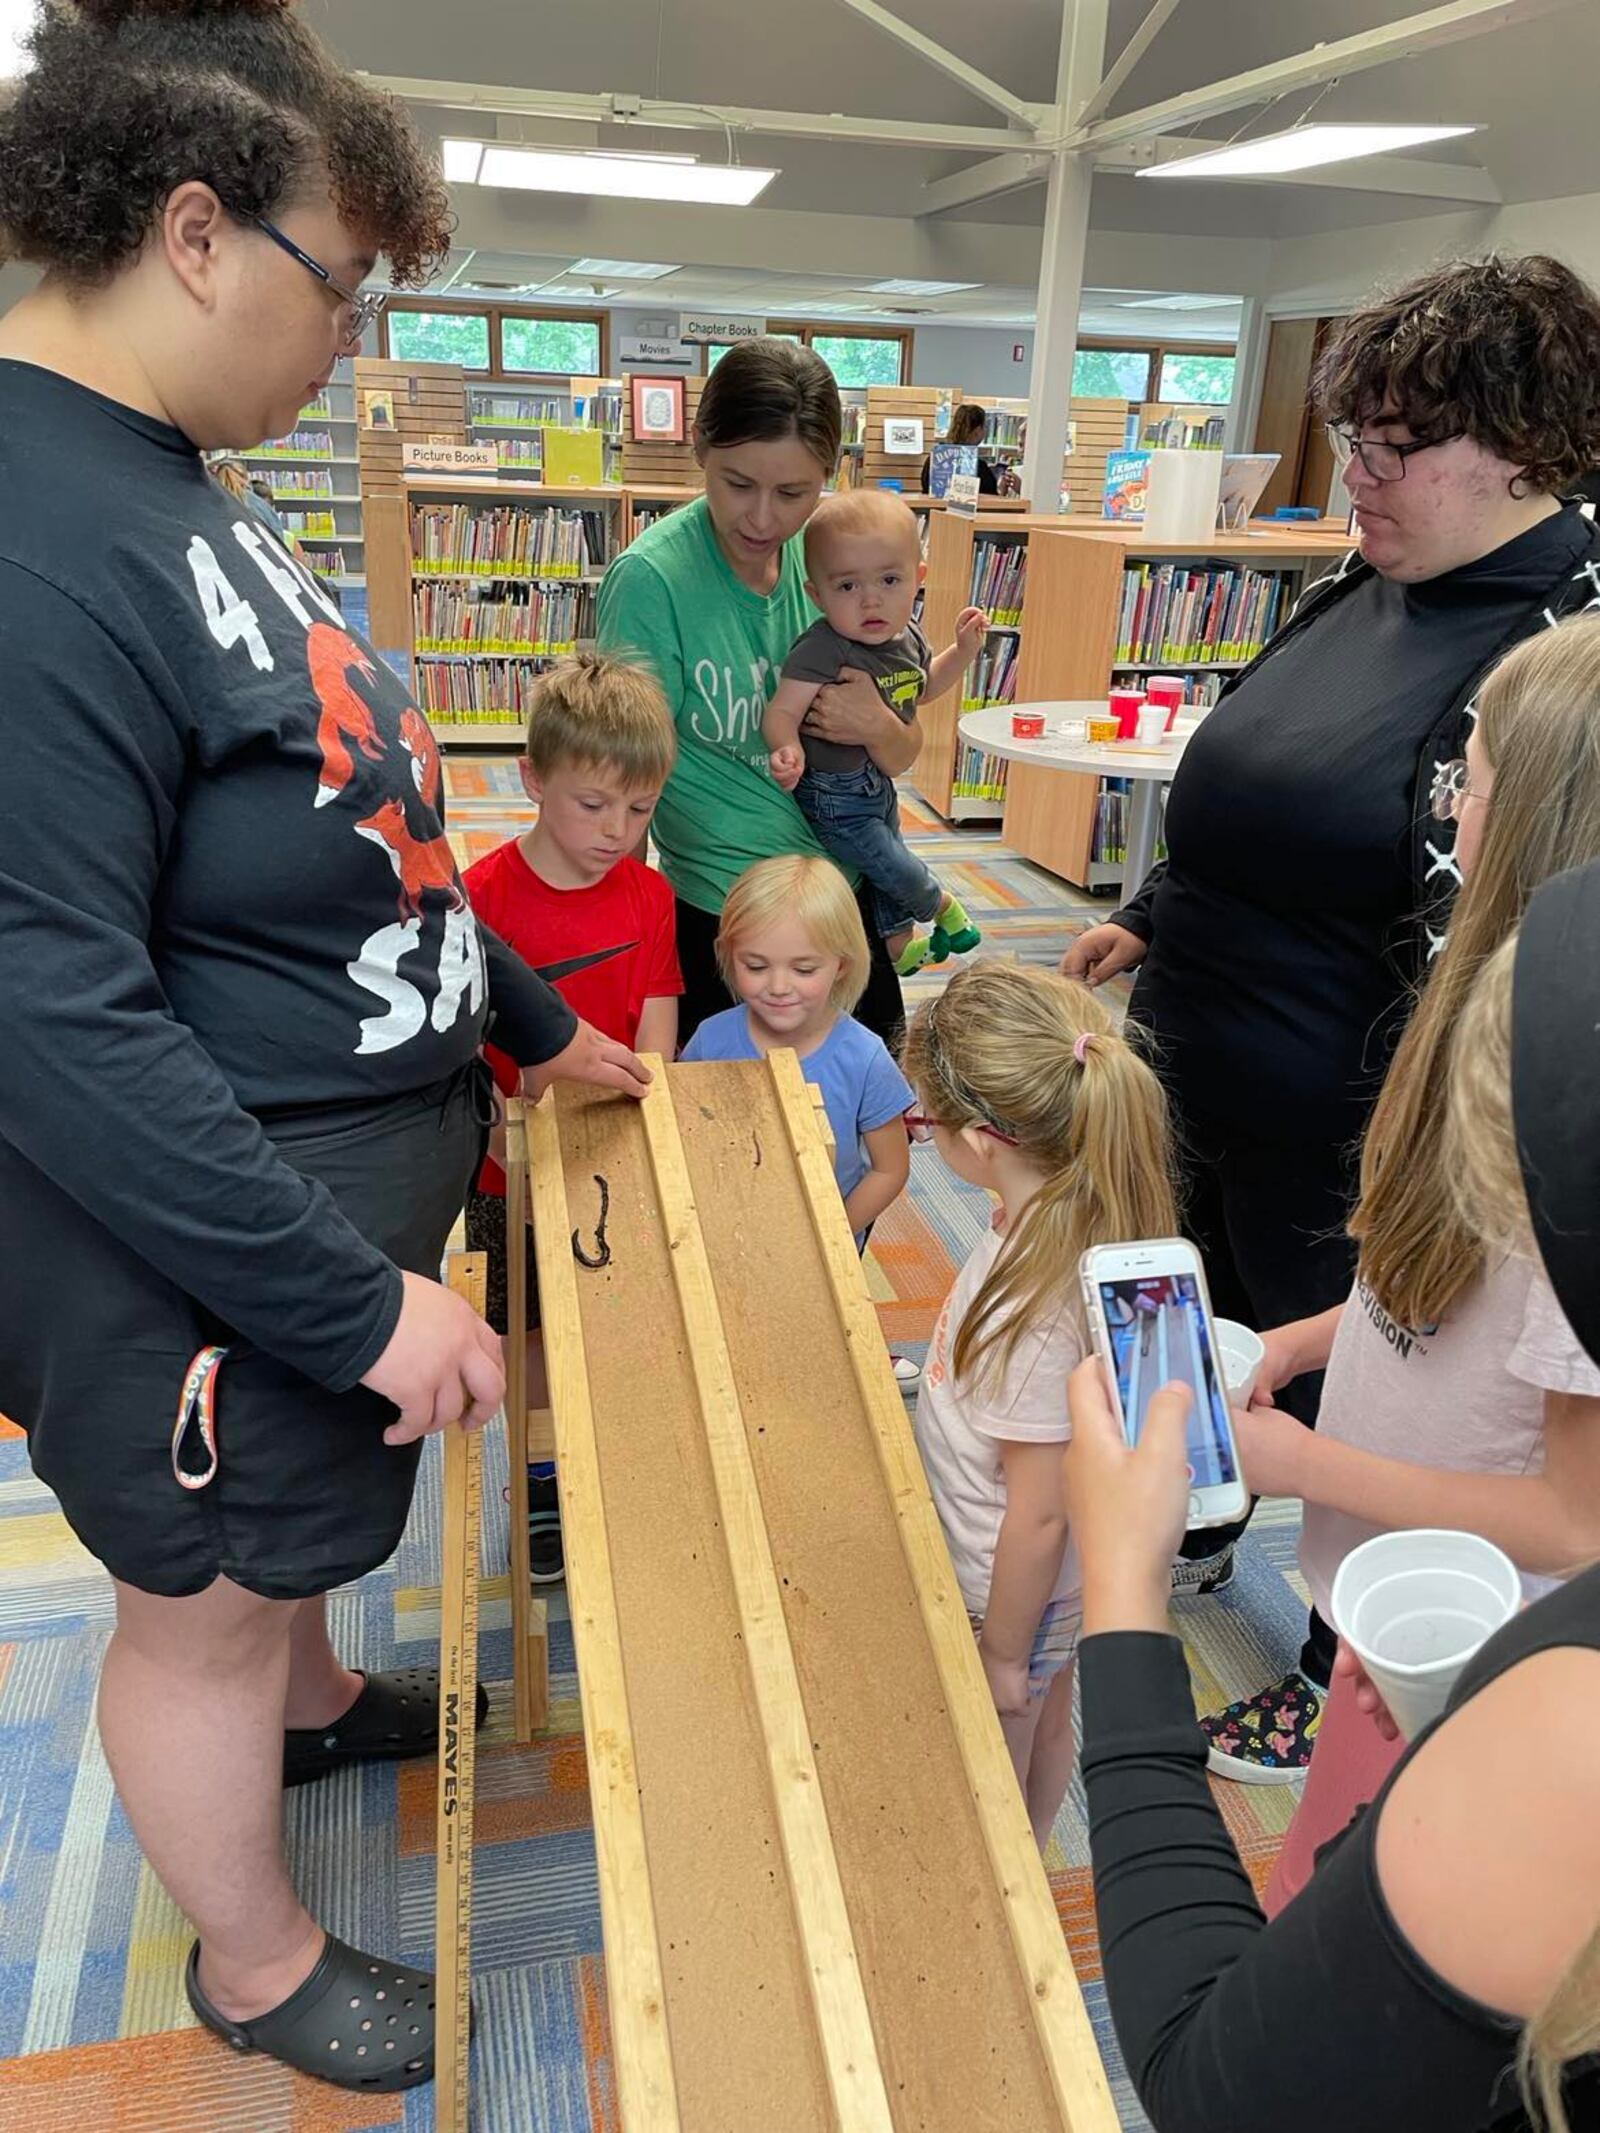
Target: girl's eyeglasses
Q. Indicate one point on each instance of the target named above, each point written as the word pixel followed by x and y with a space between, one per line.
pixel 920 1127
pixel 1450 789
pixel 363 305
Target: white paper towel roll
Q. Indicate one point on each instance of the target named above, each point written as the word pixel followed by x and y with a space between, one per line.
pixel 1181 500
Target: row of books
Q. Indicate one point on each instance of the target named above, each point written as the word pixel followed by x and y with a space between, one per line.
pixel 1172 613
pixel 304 481
pixel 311 525
pixel 533 618
pixel 472 692
pixel 1110 844
pixel 992 677
pixel 999 575
pixel 854 430
pixel 300 444
pixel 326 562
pixel 321 405
pixel 647 514
pixel 1005 432
pixel 506 541
pixel 977 775
pixel 519 410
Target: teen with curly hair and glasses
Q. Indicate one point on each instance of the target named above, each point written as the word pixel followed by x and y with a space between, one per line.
pixel 1308 884
pixel 240 1094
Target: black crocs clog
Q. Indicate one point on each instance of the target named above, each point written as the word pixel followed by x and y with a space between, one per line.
pixel 396 1716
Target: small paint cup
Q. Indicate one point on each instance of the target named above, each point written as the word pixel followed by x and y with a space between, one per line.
pixel 1027 725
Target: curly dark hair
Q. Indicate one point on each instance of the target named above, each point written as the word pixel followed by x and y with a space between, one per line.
pixel 1506 351
pixel 128 99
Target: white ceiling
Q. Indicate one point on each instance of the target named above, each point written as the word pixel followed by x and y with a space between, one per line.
pixel 841 215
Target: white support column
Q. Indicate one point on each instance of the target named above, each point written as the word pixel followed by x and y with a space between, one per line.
pixel 1249 366
pixel 1066 233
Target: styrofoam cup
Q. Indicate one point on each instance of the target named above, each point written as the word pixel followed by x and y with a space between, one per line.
pixel 1152 723
pixel 1414 1607
pixel 1243 1354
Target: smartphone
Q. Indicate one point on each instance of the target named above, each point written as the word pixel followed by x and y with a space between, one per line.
pixel 1150 1320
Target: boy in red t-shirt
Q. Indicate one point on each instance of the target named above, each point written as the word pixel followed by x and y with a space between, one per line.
pixel 571 900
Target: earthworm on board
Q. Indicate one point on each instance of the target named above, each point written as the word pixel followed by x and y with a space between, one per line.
pixel 602 1247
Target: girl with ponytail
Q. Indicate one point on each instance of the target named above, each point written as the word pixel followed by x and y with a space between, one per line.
pixel 1027 1091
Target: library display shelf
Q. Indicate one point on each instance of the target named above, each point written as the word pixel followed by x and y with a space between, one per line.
pixel 1081 593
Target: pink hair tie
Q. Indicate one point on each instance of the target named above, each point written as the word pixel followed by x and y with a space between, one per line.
pixel 1080 1047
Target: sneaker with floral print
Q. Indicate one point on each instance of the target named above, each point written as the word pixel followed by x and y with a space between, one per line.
pixel 1267 1739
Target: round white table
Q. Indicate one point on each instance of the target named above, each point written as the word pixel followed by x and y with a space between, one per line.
pixel 1148 768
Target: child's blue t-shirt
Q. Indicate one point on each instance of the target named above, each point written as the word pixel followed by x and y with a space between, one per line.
pixel 861 1086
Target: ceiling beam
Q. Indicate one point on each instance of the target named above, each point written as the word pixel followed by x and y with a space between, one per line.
pixel 948 63
pixel 1129 57
pixel 984 181
pixel 612 109
pixel 1426 32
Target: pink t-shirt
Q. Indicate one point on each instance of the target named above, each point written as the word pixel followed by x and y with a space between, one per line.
pixel 1467 1395
pixel 960 1429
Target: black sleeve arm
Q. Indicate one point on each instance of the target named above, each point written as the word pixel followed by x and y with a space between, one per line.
pixel 531 1020
pixel 1138 915
pixel 1222 2018
pixel 101 1087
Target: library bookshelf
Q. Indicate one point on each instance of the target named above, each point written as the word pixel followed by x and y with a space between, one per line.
pixel 432 569
pixel 1078 584
pixel 314 474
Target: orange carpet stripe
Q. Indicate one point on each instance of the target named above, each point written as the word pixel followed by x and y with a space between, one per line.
pixel 540 1791
pixel 184 2081
pixel 604 2116
pixel 1073 1890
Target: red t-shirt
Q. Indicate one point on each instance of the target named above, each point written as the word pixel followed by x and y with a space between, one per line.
pixel 606 949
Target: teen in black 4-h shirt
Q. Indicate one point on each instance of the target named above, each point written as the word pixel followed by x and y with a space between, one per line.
pixel 240 1089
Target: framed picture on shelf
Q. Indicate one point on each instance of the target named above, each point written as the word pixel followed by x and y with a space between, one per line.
pixel 657 409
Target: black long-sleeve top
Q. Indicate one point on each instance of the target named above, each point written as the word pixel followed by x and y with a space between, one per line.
pixel 225 887
pixel 1326 2020
pixel 1305 874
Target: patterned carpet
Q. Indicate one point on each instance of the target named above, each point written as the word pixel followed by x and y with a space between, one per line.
pixel 93 2027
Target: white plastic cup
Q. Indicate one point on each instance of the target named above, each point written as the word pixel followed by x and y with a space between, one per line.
pixel 1415 1607
pixel 1152 724
pixel 1243 1354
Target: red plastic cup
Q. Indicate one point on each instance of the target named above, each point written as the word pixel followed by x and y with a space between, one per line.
pixel 1027 725
pixel 1124 706
pixel 1168 691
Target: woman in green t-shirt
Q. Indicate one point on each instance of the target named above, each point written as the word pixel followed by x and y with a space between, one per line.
pixel 711 599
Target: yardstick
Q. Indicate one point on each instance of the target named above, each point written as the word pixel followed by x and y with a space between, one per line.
pixel 458 1697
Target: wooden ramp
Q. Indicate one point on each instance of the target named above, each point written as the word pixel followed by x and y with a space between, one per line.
pixel 822 1905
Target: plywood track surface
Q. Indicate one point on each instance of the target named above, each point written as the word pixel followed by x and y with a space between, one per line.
pixel 971 2031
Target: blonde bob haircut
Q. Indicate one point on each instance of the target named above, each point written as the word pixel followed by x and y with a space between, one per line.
pixel 599 714
pixel 815 895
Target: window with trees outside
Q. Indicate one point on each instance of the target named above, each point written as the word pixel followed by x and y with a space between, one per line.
pixel 1197 380
pixel 563 344
pixel 860 359
pixel 439 337
pixel 1111 374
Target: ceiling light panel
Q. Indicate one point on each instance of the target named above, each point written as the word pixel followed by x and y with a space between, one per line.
pixel 461 162
pixel 1301 148
pixel 622 177
pixel 919 288
pixel 623 269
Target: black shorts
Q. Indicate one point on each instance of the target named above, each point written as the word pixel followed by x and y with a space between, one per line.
pixel 486 1232
pixel 95 1343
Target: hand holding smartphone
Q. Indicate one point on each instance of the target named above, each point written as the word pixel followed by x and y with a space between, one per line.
pixel 1150 1321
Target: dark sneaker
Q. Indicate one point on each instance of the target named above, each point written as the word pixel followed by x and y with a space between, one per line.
pixel 546 1556
pixel 1267 1739
pixel 1203 1573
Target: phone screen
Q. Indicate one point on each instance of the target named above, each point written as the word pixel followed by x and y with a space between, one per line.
pixel 1159 1336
